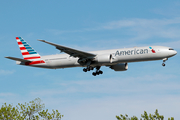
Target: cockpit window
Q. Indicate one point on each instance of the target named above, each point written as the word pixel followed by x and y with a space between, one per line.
pixel 171 49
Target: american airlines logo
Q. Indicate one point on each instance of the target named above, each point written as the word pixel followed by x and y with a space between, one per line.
pixel 131 52
pixel 153 51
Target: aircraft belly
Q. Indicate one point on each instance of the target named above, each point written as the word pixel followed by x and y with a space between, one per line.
pixel 64 63
pixel 140 57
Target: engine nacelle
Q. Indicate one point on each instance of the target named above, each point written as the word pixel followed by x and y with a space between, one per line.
pixel 103 58
pixel 120 67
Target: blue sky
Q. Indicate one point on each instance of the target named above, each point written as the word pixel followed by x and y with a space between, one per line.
pixel 92 25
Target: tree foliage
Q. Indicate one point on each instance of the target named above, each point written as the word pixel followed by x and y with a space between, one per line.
pixel 8 112
pixel 34 110
pixel 144 116
pixel 48 116
pixel 28 110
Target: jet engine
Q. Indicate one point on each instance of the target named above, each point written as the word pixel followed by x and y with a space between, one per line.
pixel 120 67
pixel 103 58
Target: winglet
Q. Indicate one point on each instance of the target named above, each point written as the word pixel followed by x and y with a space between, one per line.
pixel 41 40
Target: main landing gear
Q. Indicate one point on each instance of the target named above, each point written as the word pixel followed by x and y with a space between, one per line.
pixel 98 71
pixel 88 68
pixel 164 60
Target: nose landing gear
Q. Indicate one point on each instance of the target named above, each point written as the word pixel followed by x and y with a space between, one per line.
pixel 163 64
pixel 164 60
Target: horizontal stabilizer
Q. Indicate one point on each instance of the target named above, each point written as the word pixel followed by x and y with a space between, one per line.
pixel 17 59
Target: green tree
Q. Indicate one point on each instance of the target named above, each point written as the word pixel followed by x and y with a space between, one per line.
pixel 171 118
pixel 48 116
pixel 156 116
pixel 144 116
pixel 28 111
pixel 8 112
pixel 125 117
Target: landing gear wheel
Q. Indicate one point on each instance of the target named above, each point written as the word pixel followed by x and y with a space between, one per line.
pixel 100 72
pixel 164 60
pixel 97 73
pixel 163 64
pixel 94 73
pixel 91 68
pixel 85 70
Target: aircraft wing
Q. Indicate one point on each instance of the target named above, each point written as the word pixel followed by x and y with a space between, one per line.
pixel 71 51
pixel 17 59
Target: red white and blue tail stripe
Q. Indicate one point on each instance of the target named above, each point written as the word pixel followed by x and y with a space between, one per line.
pixel 28 52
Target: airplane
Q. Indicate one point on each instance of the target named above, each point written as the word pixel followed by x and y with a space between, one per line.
pixel 116 59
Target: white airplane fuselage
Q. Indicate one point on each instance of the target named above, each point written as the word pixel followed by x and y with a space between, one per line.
pixel 126 55
pixel 116 59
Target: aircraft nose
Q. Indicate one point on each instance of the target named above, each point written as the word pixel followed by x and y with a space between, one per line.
pixel 172 52
pixel 175 52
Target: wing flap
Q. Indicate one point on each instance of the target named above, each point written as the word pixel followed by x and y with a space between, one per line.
pixel 71 51
pixel 17 59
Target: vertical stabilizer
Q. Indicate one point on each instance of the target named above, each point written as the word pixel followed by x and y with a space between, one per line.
pixel 28 52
